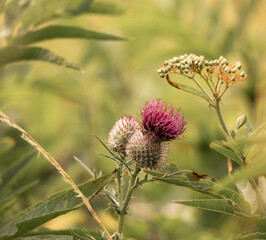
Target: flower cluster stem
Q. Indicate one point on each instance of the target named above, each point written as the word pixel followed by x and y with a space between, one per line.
pixel 220 116
pixel 203 90
pixel 261 203
pixel 123 209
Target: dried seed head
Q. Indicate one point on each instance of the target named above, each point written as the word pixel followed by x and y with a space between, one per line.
pixel 147 150
pixel 122 130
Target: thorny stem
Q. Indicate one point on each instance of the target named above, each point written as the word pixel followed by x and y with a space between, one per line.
pixel 130 190
pixel 119 185
pixel 5 119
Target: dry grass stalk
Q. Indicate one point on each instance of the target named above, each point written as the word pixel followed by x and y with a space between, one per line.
pixel 5 119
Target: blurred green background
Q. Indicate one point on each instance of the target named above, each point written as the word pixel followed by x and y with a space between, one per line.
pixel 63 109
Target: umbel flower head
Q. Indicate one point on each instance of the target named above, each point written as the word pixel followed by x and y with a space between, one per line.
pixel 146 150
pixel 122 130
pixel 162 120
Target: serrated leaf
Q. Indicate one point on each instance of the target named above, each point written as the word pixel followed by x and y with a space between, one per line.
pixel 101 7
pixel 56 31
pixel 241 120
pixel 17 53
pixel 226 152
pixel 14 171
pixel 204 185
pixel 51 208
pixel 251 235
pixel 215 205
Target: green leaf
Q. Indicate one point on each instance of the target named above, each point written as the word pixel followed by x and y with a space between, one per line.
pixel 80 232
pixel 11 174
pixel 226 152
pixel 251 235
pixel 56 31
pixel 101 7
pixel 253 170
pixel 16 193
pixel 17 53
pixel 205 185
pixel 241 120
pixel 41 11
pixel 46 237
pixel 215 205
pixel 51 208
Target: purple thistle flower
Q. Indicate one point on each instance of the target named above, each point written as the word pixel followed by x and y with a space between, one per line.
pixel 163 120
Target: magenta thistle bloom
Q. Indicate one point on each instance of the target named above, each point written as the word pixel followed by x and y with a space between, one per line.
pixel 163 120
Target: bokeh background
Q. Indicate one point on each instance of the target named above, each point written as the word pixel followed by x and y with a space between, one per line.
pixel 63 109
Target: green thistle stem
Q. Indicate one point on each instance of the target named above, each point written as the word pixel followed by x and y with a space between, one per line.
pixel 130 190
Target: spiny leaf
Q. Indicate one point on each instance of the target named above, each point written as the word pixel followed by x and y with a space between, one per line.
pixel 17 53
pixel 215 205
pixel 56 31
pixel 54 206
pixel 202 184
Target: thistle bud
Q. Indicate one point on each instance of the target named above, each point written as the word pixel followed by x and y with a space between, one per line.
pixel 147 151
pixel 122 130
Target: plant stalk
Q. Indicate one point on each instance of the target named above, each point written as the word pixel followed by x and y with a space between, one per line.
pixel 130 190
pixel 203 90
pixel 220 116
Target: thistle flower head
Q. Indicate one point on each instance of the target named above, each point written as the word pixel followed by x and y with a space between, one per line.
pixel 122 130
pixel 147 151
pixel 162 120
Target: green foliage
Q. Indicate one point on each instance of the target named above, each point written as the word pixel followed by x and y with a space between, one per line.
pixel 216 205
pixel 62 109
pixel 53 207
pixel 18 53
pixel 251 235
pixel 53 32
pixel 31 16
